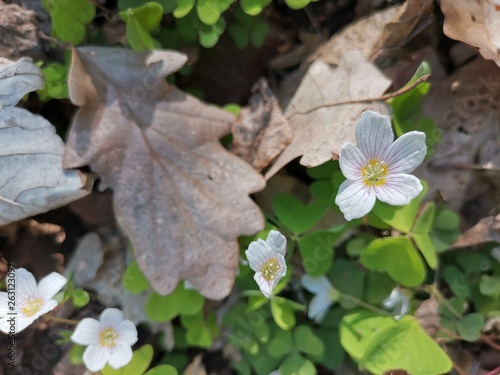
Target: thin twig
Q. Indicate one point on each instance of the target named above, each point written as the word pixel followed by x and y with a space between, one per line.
pixel 61 320
pixel 364 100
pixel 490 342
pixel 43 36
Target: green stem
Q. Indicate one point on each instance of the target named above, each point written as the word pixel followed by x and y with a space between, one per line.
pixel 431 289
pixel 367 306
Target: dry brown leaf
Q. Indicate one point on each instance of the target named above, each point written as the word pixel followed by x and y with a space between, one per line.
pixel 196 367
pixel 486 230
pixel 412 17
pixel 18 30
pixel 261 131
pixel 319 134
pixel 361 35
pixel 179 195
pixel 476 23
pixel 427 315
pixel 464 107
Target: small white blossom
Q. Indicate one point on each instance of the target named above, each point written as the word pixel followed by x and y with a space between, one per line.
pixel 267 259
pixel 398 301
pixel 326 295
pixel 109 340
pixel 31 300
pixel 378 167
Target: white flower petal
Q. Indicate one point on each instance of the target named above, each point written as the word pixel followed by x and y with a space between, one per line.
pixel 127 333
pixel 50 285
pixel 374 135
pixel 258 253
pixel 282 271
pixel 318 307
pixel 406 153
pixel 355 199
pixel 277 242
pixel 399 189
pixel 26 286
pixel 4 325
pixel 4 303
pixel 95 357
pixel 22 322
pixel 46 307
pixel 265 286
pixel 111 317
pixel 316 284
pixel 87 332
pixel 120 355
pixel 351 161
pixel 393 299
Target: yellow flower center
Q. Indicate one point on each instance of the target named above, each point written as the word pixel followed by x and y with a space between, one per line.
pixel 108 337
pixel 32 306
pixel 374 172
pixel 269 269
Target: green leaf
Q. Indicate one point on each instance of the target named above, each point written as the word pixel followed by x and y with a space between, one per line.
pixel 296 216
pixel 490 286
pixel 56 82
pixel 356 244
pixel 470 327
pixel 399 217
pixel 69 18
pixel 138 38
pixel 403 345
pixel 190 301
pixel 446 220
pixel 161 308
pixel 472 262
pixel 283 313
pixel 426 247
pixel 140 362
pixel 333 355
pixel 396 256
pixel 355 330
pixel 349 279
pixel 261 331
pixel 307 342
pixel 134 280
pixel 209 35
pixel 424 223
pixel 258 34
pixel 378 286
pixel 280 344
pixel 192 320
pixel 297 4
pixel 457 281
pixel 199 336
pixel 208 11
pixel 254 7
pixel 80 298
pixel 76 354
pixel 162 370
pixel 240 35
pixel 148 15
pixel 316 250
pixel 295 364
pixel 256 301
pixel 183 8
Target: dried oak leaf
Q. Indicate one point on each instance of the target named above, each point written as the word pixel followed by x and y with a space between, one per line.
pixel 319 134
pixel 474 22
pixel 261 131
pixel 181 198
pixel 32 179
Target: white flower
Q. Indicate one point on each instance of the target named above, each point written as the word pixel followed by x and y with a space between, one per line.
pixel 326 295
pixel 378 167
pixel 267 259
pixel 399 302
pixel 30 300
pixel 495 253
pixel 109 339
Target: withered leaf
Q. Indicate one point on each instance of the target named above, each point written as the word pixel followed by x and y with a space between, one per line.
pixel 18 30
pixel 475 23
pixel 179 195
pixel 319 134
pixel 32 179
pixel 261 131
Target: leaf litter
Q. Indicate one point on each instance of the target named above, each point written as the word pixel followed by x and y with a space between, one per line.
pixel 176 188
